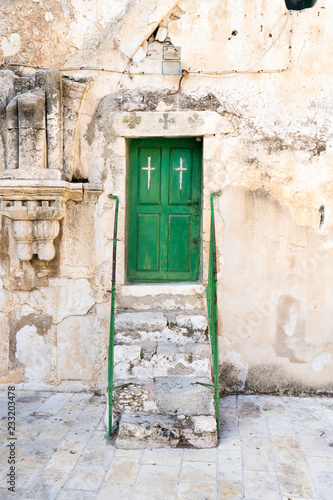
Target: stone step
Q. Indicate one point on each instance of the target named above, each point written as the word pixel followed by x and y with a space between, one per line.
pixel 162 356
pixel 132 327
pixel 159 430
pixel 162 296
pixel 168 395
pixel 150 360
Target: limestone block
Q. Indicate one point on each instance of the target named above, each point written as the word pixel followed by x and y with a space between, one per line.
pixel 146 322
pixel 175 123
pixel 181 395
pixel 147 297
pixel 204 424
pixel 204 433
pixel 78 228
pixel 160 430
pixel 192 322
pixel 63 297
pixel 145 431
pixel 171 333
pixel 75 352
pixel 167 359
pixel 125 357
pixel 33 352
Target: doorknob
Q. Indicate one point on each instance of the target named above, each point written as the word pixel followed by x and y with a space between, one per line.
pixel 193 202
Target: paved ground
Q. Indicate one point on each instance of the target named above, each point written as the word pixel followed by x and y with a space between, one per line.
pixel 270 448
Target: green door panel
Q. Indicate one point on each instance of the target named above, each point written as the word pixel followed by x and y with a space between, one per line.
pixel 164 215
pixel 149 176
pixel 148 242
pixel 180 177
pixel 179 243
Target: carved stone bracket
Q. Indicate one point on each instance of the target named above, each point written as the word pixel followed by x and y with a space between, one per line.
pixel 35 209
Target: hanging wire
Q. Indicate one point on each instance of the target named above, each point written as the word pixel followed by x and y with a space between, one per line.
pixel 249 70
pixel 231 73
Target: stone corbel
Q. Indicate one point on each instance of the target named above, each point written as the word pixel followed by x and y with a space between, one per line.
pixel 35 209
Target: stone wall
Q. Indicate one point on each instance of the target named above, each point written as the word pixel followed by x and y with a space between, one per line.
pixel 259 95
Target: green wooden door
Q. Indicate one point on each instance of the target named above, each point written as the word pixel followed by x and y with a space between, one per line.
pixel 164 210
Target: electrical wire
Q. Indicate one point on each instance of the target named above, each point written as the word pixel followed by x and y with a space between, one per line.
pixel 249 70
pixel 196 74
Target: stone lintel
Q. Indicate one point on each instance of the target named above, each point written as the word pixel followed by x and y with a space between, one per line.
pixel 170 124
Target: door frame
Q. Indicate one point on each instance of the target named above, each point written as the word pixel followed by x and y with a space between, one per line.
pixel 210 126
pixel 195 252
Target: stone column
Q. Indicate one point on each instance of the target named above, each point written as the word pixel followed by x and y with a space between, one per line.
pixel 51 82
pixel 32 132
pixel 12 135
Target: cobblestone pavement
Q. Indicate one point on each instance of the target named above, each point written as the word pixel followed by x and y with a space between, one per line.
pixel 270 448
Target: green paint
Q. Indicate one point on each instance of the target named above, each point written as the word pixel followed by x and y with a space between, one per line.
pixel 111 387
pixel 212 309
pixel 164 199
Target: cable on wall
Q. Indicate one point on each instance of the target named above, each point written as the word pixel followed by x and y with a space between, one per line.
pixel 231 73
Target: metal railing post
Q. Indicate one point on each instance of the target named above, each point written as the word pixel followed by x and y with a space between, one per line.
pixel 212 315
pixel 211 295
pixel 113 299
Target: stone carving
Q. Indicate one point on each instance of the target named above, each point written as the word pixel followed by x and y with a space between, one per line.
pixel 33 127
pixel 132 120
pixel 38 121
pixel 35 226
pixel 196 121
pixel 32 116
pixel 35 210
pixel 166 121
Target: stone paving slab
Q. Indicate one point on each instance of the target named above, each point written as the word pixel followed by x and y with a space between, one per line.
pixel 270 448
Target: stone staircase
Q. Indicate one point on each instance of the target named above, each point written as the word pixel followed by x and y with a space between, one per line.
pixel 162 355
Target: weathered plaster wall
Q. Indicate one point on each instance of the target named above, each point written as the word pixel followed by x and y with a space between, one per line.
pixel 272 163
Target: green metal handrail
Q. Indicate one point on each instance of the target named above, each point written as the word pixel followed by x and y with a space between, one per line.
pixel 111 387
pixel 211 294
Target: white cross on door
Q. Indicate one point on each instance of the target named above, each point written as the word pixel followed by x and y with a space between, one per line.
pixel 148 169
pixel 181 169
